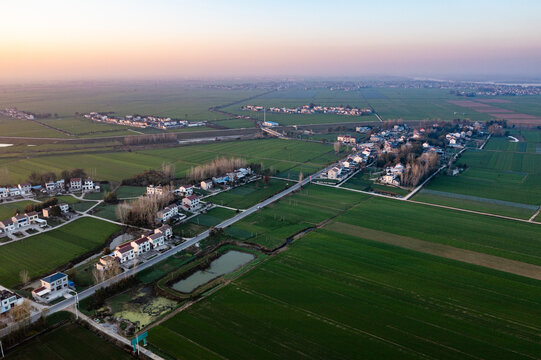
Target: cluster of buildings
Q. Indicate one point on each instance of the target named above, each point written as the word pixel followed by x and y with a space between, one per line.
pixel 392 175
pixel 353 162
pixel 16 114
pixel 20 222
pixel 313 109
pixel 138 121
pixel 59 186
pixel 347 139
pixel 53 287
pixel 131 249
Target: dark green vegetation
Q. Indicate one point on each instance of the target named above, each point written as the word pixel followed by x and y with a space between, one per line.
pixel 125 191
pixel 504 176
pixel 42 253
pixel 8 209
pixel 70 341
pixel 272 225
pixel 245 196
pixel 338 296
pixel 505 238
pixel 280 155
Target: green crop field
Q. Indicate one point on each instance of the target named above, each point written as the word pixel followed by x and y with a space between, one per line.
pixel 70 341
pixel 507 176
pixel 490 206
pixel 106 211
pixel 280 155
pixel 245 196
pixel 505 238
pixel 26 128
pixel 8 209
pixel 125 191
pixel 40 254
pixel 343 297
pixel 529 141
pixel 272 225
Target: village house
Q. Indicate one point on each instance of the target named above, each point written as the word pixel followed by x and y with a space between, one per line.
pixel 9 300
pixel 166 230
pixel 64 208
pixel 390 179
pixel 88 185
pixel 25 189
pixel 14 191
pixel 346 139
pixel 141 245
pixel 206 185
pixel 8 225
pixel 52 287
pixel 191 202
pixel 124 252
pixel 156 240
pixel 155 190
pixel 334 173
pixel 50 186
pixel 3 193
pixel 20 220
pixel 167 213
pixel 106 262
pixel 76 184
pixel 185 190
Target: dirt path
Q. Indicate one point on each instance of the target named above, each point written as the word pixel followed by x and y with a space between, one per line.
pixel 449 252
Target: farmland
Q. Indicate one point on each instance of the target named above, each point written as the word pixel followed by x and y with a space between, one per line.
pixel 504 176
pixel 42 253
pixel 271 226
pixel 529 141
pixel 504 238
pixel 26 128
pixel 279 155
pixel 70 341
pixel 8 209
pixel 245 196
pixel 387 302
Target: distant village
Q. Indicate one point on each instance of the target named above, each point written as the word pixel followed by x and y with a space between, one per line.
pixel 143 122
pixel 17 114
pixel 313 109
pixel 389 148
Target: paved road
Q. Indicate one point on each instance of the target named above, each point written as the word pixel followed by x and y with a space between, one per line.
pixel 90 291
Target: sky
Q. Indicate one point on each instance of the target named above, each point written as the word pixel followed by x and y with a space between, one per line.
pixel 155 39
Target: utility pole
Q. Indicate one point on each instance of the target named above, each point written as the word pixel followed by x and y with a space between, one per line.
pixel 1 349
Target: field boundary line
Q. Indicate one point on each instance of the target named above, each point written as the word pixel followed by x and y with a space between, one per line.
pixel 445 251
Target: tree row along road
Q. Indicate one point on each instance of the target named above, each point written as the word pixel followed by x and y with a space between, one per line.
pixel 90 291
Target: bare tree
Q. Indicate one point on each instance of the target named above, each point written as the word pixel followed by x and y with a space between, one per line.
pixel 337 147
pixel 23 275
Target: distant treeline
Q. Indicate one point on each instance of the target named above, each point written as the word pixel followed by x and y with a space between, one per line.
pixel 150 139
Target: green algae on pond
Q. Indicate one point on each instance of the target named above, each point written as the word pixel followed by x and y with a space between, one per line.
pixel 225 264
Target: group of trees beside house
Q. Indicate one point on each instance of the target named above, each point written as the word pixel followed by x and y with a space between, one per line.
pixel 217 167
pixel 142 212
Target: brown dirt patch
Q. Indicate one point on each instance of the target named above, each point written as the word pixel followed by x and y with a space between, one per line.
pixel 449 252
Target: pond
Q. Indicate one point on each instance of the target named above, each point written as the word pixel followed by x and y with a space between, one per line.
pixel 225 264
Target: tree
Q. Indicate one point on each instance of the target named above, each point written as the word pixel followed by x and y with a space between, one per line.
pixel 301 177
pixel 55 211
pixel 110 198
pixel 337 147
pixel 24 277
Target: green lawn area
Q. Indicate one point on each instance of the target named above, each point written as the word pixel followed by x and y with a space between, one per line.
pixel 7 209
pixel 70 341
pixel 245 196
pixel 104 188
pixel 42 253
pixel 507 176
pixel 126 191
pixel 75 203
pixel 529 141
pixel 505 238
pixel 272 225
pixel 106 211
pixel 333 296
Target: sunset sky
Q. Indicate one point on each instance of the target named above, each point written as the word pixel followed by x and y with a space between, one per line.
pixel 48 40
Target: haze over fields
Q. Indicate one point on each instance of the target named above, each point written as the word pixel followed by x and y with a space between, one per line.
pixel 57 40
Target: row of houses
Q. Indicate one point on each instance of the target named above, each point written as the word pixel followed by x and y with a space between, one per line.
pixel 74 185
pixel 184 190
pixel 138 121
pixel 354 161
pixel 129 250
pixel 313 109
pixel 21 221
